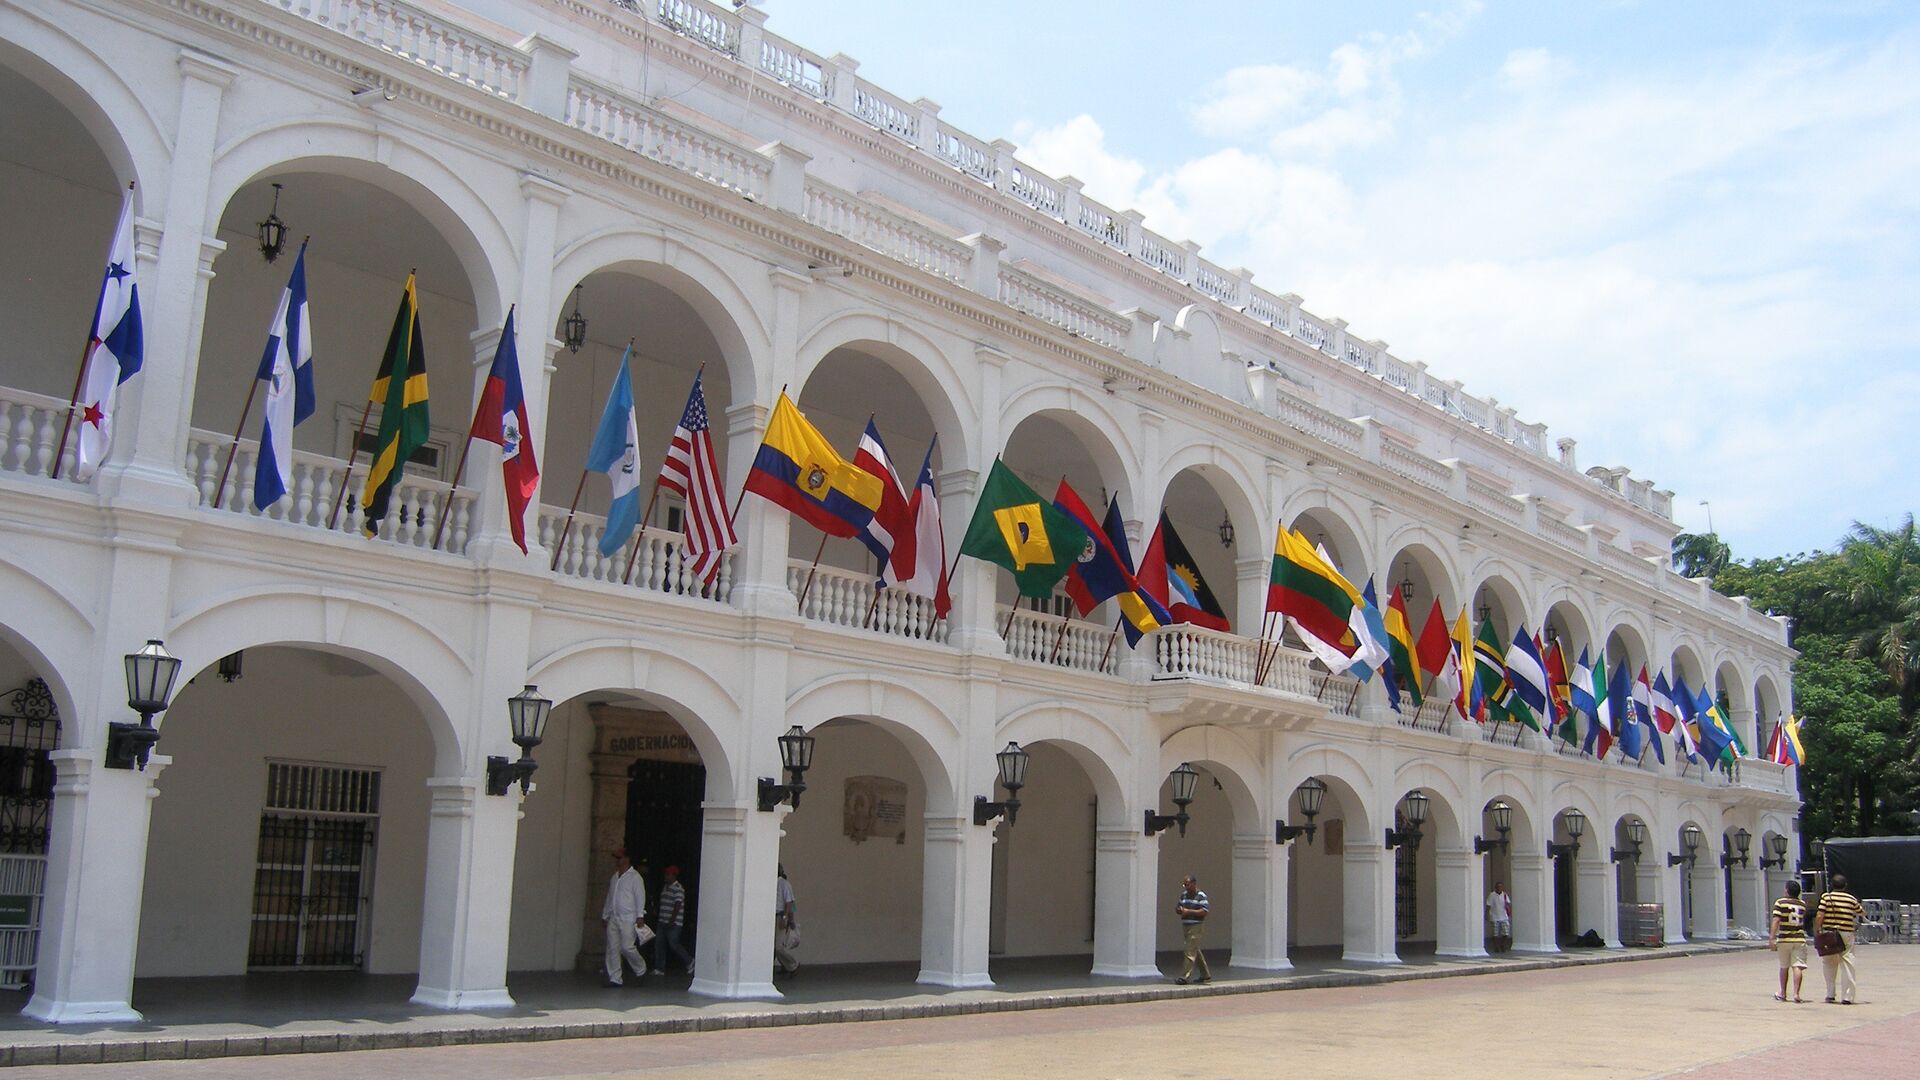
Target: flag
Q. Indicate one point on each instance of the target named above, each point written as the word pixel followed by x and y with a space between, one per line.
pixel 1664 713
pixel 1685 728
pixel 1305 587
pixel 798 469
pixel 1388 681
pixel 616 452
pixel 1619 693
pixel 115 349
pixel 1554 713
pixel 1716 742
pixel 1587 692
pixel 1102 573
pixel 501 419
pixel 1401 653
pixel 1013 527
pixel 1170 575
pixel 400 389
pixel 922 568
pixel 1461 660
pixel 1560 693
pixel 1793 751
pixel 1643 711
pixel 1490 675
pixel 1527 672
pixel 1434 650
pixel 1368 628
pixel 691 471
pixel 287 367
pixel 891 524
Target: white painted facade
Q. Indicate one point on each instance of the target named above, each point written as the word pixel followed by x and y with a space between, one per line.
pixel 781 223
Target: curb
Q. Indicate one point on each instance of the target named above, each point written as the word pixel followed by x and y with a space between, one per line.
pixel 89 1050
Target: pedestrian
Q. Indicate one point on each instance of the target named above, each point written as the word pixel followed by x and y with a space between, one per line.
pixel 1839 911
pixel 1787 936
pixel 624 909
pixel 670 919
pixel 786 925
pixel 1500 916
pixel 1192 907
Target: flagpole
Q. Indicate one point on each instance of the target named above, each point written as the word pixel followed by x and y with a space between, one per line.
pixel 1058 638
pixel 742 497
pixel 560 545
pixel 1110 640
pixel 79 376
pixel 353 451
pixel 867 623
pixel 453 489
pixel 220 489
pixel 1260 649
pixel 808 587
pixel 646 519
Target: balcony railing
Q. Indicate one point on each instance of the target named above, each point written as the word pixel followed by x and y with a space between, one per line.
pixel 852 599
pixel 648 562
pixel 1069 643
pixel 30 433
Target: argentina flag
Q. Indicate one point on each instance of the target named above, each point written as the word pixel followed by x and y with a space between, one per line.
pixel 287 367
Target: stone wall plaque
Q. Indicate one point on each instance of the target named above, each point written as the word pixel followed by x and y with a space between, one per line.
pixel 874 807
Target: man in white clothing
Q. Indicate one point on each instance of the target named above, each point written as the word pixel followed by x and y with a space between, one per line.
pixel 786 917
pixel 1499 918
pixel 625 906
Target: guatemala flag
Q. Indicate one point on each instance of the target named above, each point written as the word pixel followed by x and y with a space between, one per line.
pixel 616 452
pixel 287 366
pixel 115 349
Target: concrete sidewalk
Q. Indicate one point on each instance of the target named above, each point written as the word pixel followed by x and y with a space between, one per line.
pixel 329 1012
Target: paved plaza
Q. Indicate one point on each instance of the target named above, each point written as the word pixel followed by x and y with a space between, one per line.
pixel 1707 1015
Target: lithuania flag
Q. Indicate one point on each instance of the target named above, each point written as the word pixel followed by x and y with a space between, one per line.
pixel 1304 587
pixel 400 389
pixel 1015 528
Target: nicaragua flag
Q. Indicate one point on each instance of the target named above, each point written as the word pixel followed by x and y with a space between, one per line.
pixel 1527 673
pixel 287 367
pixel 615 451
pixel 501 419
pixel 116 346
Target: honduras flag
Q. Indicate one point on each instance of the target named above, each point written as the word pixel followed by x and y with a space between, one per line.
pixel 616 452
pixel 287 367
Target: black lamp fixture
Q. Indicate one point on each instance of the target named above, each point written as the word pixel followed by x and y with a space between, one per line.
pixel 1636 835
pixel 1416 814
pixel 1226 530
pixel 796 756
pixel 1406 583
pixel 1741 838
pixel 1576 828
pixel 150 676
pixel 1486 609
pixel 1502 815
pixel 1184 778
pixel 1553 634
pixel 1689 839
pixel 1013 777
pixel 273 231
pixel 229 667
pixel 576 325
pixel 527 712
pixel 1311 792
pixel 1778 845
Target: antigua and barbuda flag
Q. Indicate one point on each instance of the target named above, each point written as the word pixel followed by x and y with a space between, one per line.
pixel 115 348
pixel 287 367
pixel 616 452
pixel 501 419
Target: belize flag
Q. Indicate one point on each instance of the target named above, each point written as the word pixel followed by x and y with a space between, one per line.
pixel 501 418
pixel 287 367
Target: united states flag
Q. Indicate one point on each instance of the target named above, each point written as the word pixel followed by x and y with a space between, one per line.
pixel 691 472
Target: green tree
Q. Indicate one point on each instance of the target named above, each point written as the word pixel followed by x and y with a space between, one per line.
pixel 1700 555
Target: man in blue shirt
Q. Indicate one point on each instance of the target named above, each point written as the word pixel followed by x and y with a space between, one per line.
pixel 1192 908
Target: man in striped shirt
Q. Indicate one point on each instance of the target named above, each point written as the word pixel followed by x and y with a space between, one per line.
pixel 1789 939
pixel 672 917
pixel 1192 907
pixel 1840 911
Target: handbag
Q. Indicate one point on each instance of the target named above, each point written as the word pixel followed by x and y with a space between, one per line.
pixel 642 933
pixel 790 938
pixel 1828 943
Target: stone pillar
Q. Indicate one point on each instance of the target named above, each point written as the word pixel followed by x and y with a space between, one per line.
pixel 739 863
pixel 1259 903
pixel 1750 898
pixel 972 625
pixel 1709 899
pixel 1126 877
pixel 1368 881
pixel 1673 893
pixel 1595 907
pixel 760 562
pixel 96 869
pixel 469 895
pixel 1532 890
pixel 1459 919
pixel 955 903
pixel 1251 574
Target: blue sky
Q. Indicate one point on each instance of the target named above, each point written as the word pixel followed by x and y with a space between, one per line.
pixel 1683 234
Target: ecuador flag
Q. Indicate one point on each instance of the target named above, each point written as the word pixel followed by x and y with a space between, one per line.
pixel 798 469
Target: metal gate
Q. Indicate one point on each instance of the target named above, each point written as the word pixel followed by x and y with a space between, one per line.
pixel 29 730
pixel 313 873
pixel 1406 884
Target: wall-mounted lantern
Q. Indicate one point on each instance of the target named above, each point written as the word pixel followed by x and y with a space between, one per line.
pixel 1637 836
pixel 150 676
pixel 1778 845
pixel 1741 838
pixel 1013 777
pixel 1184 778
pixel 1502 815
pixel 527 715
pixel 1311 792
pixel 1689 839
pixel 1416 813
pixel 575 326
pixel 796 757
pixel 1576 828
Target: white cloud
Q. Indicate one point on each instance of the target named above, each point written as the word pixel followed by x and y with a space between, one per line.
pixel 1532 69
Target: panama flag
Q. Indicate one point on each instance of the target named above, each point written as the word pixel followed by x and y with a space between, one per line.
pixel 501 418
pixel 891 527
pixel 287 367
pixel 115 348
pixel 616 452
pixel 922 570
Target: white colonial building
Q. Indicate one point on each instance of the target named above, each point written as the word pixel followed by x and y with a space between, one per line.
pixel 728 200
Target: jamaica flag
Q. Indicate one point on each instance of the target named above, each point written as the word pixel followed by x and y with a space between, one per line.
pixel 400 389
pixel 1015 528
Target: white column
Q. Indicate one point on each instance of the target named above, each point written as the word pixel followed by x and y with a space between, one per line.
pixel 1126 881
pixel 739 862
pixel 1368 881
pixel 1750 898
pixel 1673 891
pixel 1459 924
pixel 469 895
pixel 96 868
pixel 1259 903
pixel 1709 898
pixel 972 625
pixel 1532 891
pixel 955 903
pixel 1594 906
pixel 760 562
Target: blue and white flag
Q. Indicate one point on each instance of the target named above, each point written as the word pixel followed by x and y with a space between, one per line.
pixel 1527 672
pixel 115 349
pixel 616 452
pixel 287 367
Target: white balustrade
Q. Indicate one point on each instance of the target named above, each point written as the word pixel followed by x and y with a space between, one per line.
pixel 1162 254
pixel 1315 333
pixel 412 34
pixel 1215 282
pixel 30 433
pixel 1037 190
pixel 1316 421
pixel 886 112
pixel 897 237
pixel 1181 651
pixel 794 66
pixel 1102 224
pixel 609 114
pixel 704 23
pixel 1415 466
pixel 1079 317
pixel 852 599
pixel 1061 642
pixel 964 152
pixel 654 558
pixel 1494 501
